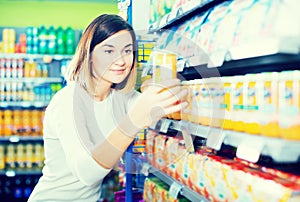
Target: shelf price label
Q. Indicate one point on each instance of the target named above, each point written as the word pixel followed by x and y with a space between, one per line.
pixel 250 150
pixel 187 137
pixel 165 124
pixel 215 138
pixel 145 169
pixel 175 189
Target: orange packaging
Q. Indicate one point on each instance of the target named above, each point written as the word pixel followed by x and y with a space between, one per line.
pixel 268 103
pixel 289 104
pixel 171 156
pixel 250 92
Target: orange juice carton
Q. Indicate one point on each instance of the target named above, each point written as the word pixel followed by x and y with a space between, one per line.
pixel 150 137
pixel 215 87
pixel 267 99
pixel 250 92
pixel 237 104
pixel 225 105
pixel 159 151
pixel 187 98
pixel 172 155
pixel 148 192
pixel 195 101
pixel 205 103
pixel 289 104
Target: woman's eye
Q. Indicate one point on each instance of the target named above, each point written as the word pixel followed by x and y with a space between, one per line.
pixel 108 51
pixel 128 51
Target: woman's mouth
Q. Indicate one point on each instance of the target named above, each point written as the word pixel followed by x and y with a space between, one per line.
pixel 118 71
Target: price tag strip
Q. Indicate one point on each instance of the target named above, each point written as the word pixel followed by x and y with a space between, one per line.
pixel 187 136
pixel 175 189
pixel 165 124
pixel 215 138
pixel 250 150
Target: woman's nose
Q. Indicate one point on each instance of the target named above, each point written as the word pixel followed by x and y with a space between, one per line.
pixel 120 60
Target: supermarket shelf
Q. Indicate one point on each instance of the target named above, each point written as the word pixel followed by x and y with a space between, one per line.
pixel 17 138
pixel 183 13
pixel 249 147
pixel 266 63
pixel 14 172
pixel 35 56
pixel 183 190
pixel 24 104
pixel 33 79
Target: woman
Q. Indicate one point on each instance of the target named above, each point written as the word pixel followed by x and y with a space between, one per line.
pixel 89 123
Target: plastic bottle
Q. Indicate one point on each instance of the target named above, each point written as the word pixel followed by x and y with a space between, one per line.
pixel 70 41
pixel 43 35
pixel 52 40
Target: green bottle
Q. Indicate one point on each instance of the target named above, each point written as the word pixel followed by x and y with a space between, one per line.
pixel 70 41
pixel 60 40
pixel 43 40
pixel 51 40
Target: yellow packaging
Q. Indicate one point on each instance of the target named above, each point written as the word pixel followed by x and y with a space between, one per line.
pixel 164 66
pixel 215 114
pixel 2 157
pixel 195 90
pixel 187 98
pixel 205 103
pixel 237 105
pixel 289 104
pixel 225 105
pixel 250 104
pixel 268 103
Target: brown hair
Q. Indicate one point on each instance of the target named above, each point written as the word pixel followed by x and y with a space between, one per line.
pixel 98 30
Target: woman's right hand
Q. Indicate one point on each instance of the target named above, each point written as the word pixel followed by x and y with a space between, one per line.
pixel 156 101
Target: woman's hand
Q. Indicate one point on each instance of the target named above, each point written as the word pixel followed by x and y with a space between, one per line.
pixel 156 101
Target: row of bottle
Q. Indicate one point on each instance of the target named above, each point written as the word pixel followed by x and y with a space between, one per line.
pixel 21 121
pixel 39 40
pixel 264 103
pixel 18 188
pixel 21 156
pixel 21 91
pixel 18 68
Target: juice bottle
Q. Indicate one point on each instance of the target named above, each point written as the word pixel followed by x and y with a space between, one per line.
pixel 289 104
pixel 26 121
pixel 267 99
pixel 2 157
pixel 10 158
pixel 7 122
pixel 20 156
pixel 237 105
pixel 29 158
pixel 225 105
pixel 17 114
pixel 250 104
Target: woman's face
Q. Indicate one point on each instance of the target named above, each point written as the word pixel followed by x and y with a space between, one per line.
pixel 112 58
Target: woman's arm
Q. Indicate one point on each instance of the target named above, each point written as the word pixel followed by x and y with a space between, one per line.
pixel 155 102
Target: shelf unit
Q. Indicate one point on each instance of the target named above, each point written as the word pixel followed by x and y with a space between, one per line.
pixel 270 56
pixel 176 187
